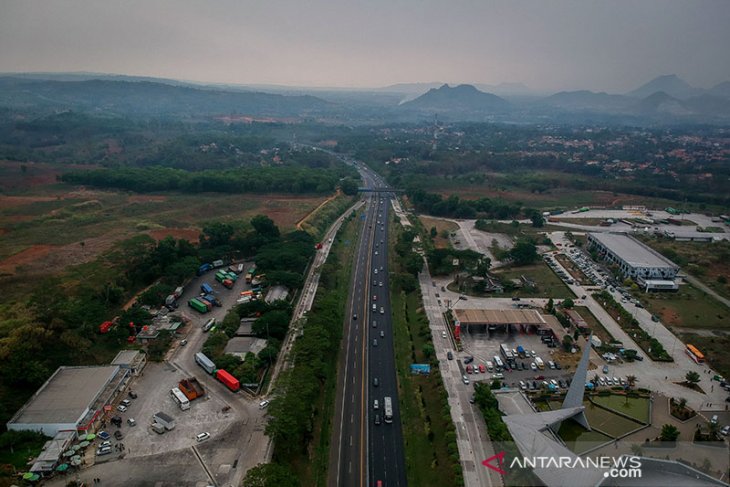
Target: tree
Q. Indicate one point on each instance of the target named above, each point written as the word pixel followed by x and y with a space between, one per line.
pixel 681 403
pixel 669 433
pixel 434 232
pixel 428 350
pixel 273 324
pixel 568 303
pixel 271 475
pixel 567 343
pixel 349 186
pixel 265 226
pixel 550 306
pixel 523 253
pixel 692 377
pixel 216 234
pixel 537 220
pixel 631 380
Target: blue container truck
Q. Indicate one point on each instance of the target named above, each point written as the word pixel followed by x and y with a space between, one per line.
pixel 206 288
pixel 204 268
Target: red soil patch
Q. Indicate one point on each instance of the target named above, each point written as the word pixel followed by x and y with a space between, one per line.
pixel 141 198
pixel 189 234
pixel 670 317
pixel 29 255
pixel 11 201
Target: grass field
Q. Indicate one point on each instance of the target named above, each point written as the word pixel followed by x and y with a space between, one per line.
pixel 709 262
pixel 441 225
pixel 548 284
pixel 46 226
pixel 688 308
pixel 715 349
pixel 428 431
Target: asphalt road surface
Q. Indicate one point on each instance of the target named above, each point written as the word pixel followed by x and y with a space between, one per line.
pixel 364 453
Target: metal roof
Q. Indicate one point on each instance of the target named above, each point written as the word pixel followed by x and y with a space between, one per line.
pixel 66 396
pixel 631 251
pixel 499 316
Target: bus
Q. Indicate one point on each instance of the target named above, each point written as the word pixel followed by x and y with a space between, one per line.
pixel 180 398
pixel 695 354
pixel 388 408
pixel 506 352
pixel 498 362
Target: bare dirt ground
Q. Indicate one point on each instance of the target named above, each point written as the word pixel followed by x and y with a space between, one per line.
pixel 189 234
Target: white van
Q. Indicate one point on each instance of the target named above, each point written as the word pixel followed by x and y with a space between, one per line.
pixel 490 366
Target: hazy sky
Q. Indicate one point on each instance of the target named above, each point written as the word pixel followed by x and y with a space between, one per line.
pixel 609 45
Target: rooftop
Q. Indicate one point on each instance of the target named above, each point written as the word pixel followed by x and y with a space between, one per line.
pixel 126 357
pixel 632 251
pixel 240 346
pixel 499 316
pixel 66 396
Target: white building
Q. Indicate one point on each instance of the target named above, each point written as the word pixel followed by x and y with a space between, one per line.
pixel 635 260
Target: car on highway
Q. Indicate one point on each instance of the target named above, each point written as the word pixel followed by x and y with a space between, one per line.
pixel 382 334
pixel 375 342
pixel 375 324
pixel 381 283
pixel 375 307
pixel 376 382
pixel 377 419
pixel 382 310
pixel 376 405
pixel 354 316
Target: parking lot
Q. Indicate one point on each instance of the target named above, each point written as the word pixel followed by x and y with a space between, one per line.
pixel 484 347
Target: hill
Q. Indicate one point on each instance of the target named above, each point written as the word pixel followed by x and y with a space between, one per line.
pixel 584 100
pixel 670 84
pixel 146 98
pixel 722 89
pixel 461 98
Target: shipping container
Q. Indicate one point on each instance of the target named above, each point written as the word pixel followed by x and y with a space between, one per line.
pixel 191 388
pixel 198 306
pixel 206 363
pixel 206 288
pixel 227 379
pixel 165 420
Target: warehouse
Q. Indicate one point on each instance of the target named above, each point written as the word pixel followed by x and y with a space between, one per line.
pixel 72 399
pixel 522 320
pixel 649 268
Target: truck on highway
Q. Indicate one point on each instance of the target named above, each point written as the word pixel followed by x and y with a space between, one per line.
pixel 198 305
pixel 388 409
pixel 540 364
pixel 206 363
pixel 228 380
pixel 191 388
pixel 165 420
pixel 206 288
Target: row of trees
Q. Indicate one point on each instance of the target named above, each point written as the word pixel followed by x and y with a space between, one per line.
pixel 453 206
pixel 284 179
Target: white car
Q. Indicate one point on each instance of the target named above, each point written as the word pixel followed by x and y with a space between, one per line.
pixel 263 404
pixel 465 379
pixel 533 366
pixel 382 310
pixel 202 437
pixel 121 408
pixel 443 334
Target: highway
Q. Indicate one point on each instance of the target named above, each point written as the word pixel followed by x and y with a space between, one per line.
pixel 363 452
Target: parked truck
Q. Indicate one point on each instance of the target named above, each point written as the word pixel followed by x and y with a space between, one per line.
pixel 191 388
pixel 204 268
pixel 540 364
pixel 205 362
pixel 165 420
pixel 228 380
pixel 521 351
pixel 198 306
pixel 218 263
pixel 207 303
pixel 212 299
pixel 158 428
pixel 206 288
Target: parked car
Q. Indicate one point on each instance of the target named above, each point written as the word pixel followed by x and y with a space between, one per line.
pixel 469 359
pixel 132 394
pixel 118 435
pixel 121 408
pixel 202 437
pixel 449 355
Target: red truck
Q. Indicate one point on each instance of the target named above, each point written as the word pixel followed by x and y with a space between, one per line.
pixel 227 379
pixel 191 388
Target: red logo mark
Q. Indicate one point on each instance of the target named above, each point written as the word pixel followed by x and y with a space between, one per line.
pixel 500 461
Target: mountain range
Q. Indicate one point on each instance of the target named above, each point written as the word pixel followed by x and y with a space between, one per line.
pixel 666 99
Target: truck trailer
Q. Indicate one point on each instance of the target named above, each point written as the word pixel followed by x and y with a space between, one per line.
pixel 206 288
pixel 165 420
pixel 198 305
pixel 228 380
pixel 205 362
pixel 191 388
